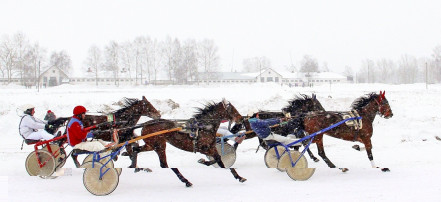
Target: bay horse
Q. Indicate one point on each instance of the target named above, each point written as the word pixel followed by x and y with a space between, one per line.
pixel 126 117
pixel 202 138
pixel 297 107
pixel 367 106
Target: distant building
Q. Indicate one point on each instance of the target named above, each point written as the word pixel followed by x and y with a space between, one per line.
pixel 270 75
pixel 53 76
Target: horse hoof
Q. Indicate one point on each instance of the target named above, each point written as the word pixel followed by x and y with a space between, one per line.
pixel 344 170
pixel 188 184
pixel 201 161
pixel 242 180
pixel 125 154
pixel 316 160
pixel 148 170
pixel 385 170
pixel 356 147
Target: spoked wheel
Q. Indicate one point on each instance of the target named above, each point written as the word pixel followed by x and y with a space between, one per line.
pixel 229 156
pixel 46 159
pixel 89 158
pixel 271 158
pixel 96 185
pixel 300 171
pixel 59 154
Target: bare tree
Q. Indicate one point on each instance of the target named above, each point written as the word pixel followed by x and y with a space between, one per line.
pixel 168 50
pixel 366 73
pixel 256 64
pixel 208 56
pixel 190 60
pixel 112 60
pixel 309 64
pixel 386 67
pixel 61 60
pixel 8 57
pixel 127 58
pixel 154 59
pixel 436 71
pixel 94 61
pixel 407 69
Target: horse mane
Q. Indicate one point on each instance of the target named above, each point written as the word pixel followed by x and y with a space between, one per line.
pixel 126 103
pixel 296 103
pixel 207 110
pixel 362 101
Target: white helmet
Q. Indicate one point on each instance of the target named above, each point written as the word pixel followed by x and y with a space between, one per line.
pixel 252 111
pixel 26 107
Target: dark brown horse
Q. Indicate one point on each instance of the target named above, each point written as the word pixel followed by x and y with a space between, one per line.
pixel 125 117
pixel 201 137
pixel 367 106
pixel 297 107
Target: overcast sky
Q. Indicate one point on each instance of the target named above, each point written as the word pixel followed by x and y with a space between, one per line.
pixel 341 33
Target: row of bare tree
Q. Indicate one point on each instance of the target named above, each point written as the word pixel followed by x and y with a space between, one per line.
pixel 21 58
pixel 408 69
pixel 144 58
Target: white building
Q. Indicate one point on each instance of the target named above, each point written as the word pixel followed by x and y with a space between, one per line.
pixel 270 75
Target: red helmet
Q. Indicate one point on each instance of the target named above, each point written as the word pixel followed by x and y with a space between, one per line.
pixel 79 110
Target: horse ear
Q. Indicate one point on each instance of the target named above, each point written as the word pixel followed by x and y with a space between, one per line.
pixel 143 97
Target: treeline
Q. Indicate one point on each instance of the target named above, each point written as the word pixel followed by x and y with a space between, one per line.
pixel 408 69
pixel 19 58
pixel 145 58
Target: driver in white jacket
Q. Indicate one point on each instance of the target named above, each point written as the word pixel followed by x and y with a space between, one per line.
pixel 31 128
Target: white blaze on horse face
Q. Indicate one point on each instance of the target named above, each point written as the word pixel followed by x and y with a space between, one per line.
pixel 328 116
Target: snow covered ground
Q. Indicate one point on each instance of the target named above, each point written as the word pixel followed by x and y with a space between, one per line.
pixel 405 143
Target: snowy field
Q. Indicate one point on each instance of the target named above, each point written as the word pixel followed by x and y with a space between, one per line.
pixel 405 143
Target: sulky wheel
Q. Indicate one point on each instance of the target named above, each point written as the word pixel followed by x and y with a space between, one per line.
pixel 89 158
pixel 271 158
pixel 46 159
pixel 301 171
pixel 285 161
pixel 229 157
pixel 96 185
pixel 59 154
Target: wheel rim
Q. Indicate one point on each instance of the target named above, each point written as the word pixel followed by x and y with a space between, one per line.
pixel 97 186
pixel 46 158
pixel 300 174
pixel 229 157
pixel 271 159
pixel 89 158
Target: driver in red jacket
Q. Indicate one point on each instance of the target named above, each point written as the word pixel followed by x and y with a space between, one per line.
pixel 75 130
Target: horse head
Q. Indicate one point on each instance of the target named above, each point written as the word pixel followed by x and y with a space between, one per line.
pixel 147 109
pixel 383 106
pixel 303 104
pixel 231 111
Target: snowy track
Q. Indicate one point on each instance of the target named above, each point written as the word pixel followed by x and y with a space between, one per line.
pixel 405 143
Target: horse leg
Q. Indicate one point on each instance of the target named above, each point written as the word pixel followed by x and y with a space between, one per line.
pixel 368 145
pixel 311 155
pixel 75 160
pixel 163 163
pixel 321 152
pixel 218 159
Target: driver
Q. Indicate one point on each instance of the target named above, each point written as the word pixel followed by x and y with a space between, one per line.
pixel 30 127
pixel 262 128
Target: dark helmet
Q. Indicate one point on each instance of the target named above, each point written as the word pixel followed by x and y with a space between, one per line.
pixel 79 110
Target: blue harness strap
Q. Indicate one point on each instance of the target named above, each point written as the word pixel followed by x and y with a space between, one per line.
pixel 72 120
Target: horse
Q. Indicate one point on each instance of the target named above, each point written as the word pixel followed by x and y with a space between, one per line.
pixel 367 106
pixel 298 106
pixel 125 117
pixel 202 136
